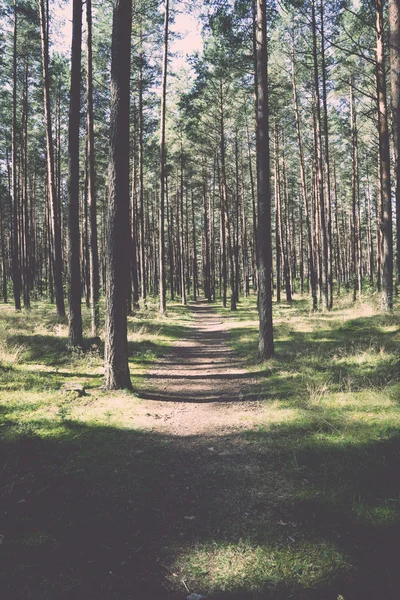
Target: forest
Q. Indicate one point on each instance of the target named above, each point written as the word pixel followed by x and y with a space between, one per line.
pixel 199 299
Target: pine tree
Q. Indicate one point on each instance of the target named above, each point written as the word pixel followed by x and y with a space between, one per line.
pixel 116 366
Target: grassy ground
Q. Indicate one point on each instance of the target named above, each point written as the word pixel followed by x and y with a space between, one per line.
pixel 331 402
pixel 302 503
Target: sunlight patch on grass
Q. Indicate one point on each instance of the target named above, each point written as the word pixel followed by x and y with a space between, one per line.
pixel 244 566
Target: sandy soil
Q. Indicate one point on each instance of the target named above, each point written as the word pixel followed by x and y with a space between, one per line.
pixel 200 387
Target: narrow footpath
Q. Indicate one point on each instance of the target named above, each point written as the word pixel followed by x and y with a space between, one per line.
pixel 200 387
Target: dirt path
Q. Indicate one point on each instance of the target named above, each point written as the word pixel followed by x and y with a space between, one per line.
pixel 200 387
pixel 214 482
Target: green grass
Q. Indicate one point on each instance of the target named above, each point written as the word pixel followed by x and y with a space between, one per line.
pixel 36 361
pixel 35 354
pixel 331 394
pixel 303 502
pixel 247 566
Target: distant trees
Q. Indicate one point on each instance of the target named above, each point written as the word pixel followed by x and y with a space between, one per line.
pixel 195 201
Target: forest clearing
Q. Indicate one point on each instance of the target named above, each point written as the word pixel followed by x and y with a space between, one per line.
pixel 199 299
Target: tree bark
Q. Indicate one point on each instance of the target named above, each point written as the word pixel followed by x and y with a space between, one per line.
pixel 15 264
pixel 253 203
pixel 25 227
pixel 327 164
pixel 74 272
pixel 311 264
pixel 384 153
pixel 143 288
pixel 264 259
pixel 245 253
pixel 118 235
pixel 206 238
pixel 163 291
pixel 195 273
pixel 54 201
pixel 224 206
pixel 91 175
pixel 355 254
pixel 3 256
pixel 134 265
pixel 394 45
pixel 181 231
pixel 284 233
pixel 320 171
pixel 278 243
pixel 170 228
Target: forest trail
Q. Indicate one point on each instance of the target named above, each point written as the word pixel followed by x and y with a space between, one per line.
pixel 200 386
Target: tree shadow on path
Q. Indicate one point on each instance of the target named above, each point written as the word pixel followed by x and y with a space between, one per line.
pixel 100 512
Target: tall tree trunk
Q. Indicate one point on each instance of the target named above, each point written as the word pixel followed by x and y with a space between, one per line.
pixel 284 230
pixel 134 265
pixel 253 202
pixel 211 212
pixel 16 269
pixel 181 232
pixel 320 170
pixel 245 252
pixel 143 271
pixel 236 244
pixel 379 234
pixel 118 235
pixel 85 239
pixel 187 245
pixel 355 257
pixel 74 272
pixel 371 264
pixel 264 262
pixel 54 201
pixel 326 159
pixel 338 247
pixel 224 200
pixel 394 55
pixel 23 204
pixel 394 45
pixel 91 175
pixel 311 264
pixel 206 238
pixel 278 241
pixel 163 291
pixel 223 280
pixel 195 273
pixel 387 272
pixel 3 255
pixel 170 228
pixel 301 250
